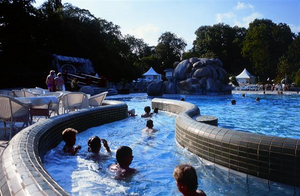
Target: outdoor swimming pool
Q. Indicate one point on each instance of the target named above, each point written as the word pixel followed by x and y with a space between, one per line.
pixel 155 158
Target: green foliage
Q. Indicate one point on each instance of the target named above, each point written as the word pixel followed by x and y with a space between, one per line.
pixel 297 78
pixel 169 49
pixel 264 44
pixel 234 81
pixel 29 36
pixel 223 42
pixel 293 58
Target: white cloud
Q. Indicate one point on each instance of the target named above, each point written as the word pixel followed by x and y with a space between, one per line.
pixel 241 6
pixel 220 18
pixel 294 28
pixel 148 32
pixel 248 19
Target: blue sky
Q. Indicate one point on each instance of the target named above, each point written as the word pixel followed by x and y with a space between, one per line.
pixel 148 19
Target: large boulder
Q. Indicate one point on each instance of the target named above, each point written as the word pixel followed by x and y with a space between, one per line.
pixel 212 85
pixel 217 62
pixel 169 87
pixel 182 70
pixel 202 72
pixel 155 88
pixel 186 85
pixel 223 75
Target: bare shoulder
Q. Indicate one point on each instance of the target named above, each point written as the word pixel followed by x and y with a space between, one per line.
pixel 200 193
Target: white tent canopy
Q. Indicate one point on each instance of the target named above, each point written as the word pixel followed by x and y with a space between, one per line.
pixel 151 75
pixel 245 77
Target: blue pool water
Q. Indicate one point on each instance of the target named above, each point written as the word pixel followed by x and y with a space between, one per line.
pixel 155 158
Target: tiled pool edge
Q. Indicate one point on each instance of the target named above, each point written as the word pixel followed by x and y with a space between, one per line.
pixel 21 168
pixel 272 158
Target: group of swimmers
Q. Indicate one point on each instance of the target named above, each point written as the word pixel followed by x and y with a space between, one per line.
pixel 233 101
pixel 185 175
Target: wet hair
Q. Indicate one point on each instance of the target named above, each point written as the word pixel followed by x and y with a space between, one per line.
pixel 155 110
pixel 147 109
pixel 94 144
pixel 182 99
pixel 67 133
pixel 149 124
pixel 233 102
pixel 186 174
pixel 123 152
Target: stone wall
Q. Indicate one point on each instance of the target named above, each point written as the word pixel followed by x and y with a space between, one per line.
pixel 268 157
pixel 21 166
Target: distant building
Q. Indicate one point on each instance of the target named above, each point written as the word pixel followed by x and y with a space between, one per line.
pixel 152 75
pixel 168 73
pixel 245 77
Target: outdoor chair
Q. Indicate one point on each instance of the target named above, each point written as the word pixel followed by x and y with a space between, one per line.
pixel 35 91
pixel 5 92
pixel 12 111
pixel 97 100
pixel 18 93
pixel 54 107
pixel 73 101
pixel 28 93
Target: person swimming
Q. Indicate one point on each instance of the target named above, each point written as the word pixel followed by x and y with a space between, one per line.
pixel 124 158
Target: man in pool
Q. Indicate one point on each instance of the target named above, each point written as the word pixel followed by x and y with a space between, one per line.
pixel 186 180
pixel 94 144
pixel 69 136
pixel 149 128
pixel 147 110
pixel 124 158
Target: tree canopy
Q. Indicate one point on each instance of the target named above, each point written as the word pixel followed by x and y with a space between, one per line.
pixel 29 36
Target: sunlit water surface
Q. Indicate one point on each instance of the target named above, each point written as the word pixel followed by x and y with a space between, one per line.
pixel 155 158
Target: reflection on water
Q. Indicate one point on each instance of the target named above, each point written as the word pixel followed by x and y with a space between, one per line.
pixel 154 158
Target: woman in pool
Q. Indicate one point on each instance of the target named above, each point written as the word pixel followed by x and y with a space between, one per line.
pixel 94 144
pixel 186 180
pixel 124 158
pixel 69 136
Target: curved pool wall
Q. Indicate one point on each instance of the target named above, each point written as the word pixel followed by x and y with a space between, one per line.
pixel 21 166
pixel 272 158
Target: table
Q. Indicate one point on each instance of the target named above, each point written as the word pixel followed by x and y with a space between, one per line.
pixel 39 106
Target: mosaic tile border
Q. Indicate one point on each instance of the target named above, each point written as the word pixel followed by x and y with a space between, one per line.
pixel 273 158
pixel 21 168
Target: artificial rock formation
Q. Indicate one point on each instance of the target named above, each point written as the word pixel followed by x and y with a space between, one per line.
pixel 195 76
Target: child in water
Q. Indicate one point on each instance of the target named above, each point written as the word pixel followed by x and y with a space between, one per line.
pixel 124 158
pixel 186 180
pixel 147 110
pixel 69 136
pixel 94 144
pixel 149 128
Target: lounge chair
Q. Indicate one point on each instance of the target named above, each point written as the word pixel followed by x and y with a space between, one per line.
pixel 97 100
pixel 73 101
pixel 11 111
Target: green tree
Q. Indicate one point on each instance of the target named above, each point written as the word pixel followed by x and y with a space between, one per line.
pixel 223 42
pixel 264 44
pixel 293 58
pixel 169 49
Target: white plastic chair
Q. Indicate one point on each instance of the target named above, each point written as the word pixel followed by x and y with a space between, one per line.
pixel 35 91
pixel 18 93
pixel 74 101
pixel 96 100
pixel 28 93
pixel 11 111
pixel 54 107
pixel 6 92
